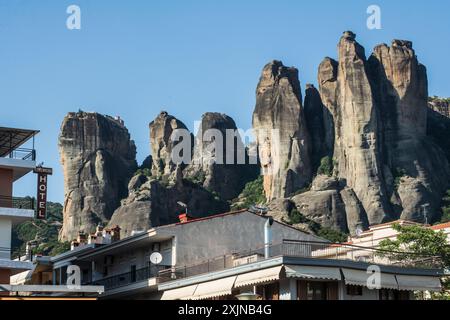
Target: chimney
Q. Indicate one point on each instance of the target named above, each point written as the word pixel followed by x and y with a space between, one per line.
pixel 115 233
pixel 74 244
pixel 184 217
pixel 81 238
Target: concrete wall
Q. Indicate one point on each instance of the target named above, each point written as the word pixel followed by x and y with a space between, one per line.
pixel 5 238
pixel 211 238
pixel 139 257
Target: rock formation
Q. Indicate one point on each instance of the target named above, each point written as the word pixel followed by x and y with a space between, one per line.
pixel 384 142
pixel 370 116
pixel 98 159
pixel 221 162
pixel 162 144
pixel 441 106
pixel 401 93
pixel 281 132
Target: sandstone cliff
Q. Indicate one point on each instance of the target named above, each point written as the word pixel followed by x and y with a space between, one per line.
pixel 281 132
pixel 220 161
pixel 371 117
pixel 98 159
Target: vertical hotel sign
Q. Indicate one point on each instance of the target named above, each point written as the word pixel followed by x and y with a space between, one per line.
pixel 41 210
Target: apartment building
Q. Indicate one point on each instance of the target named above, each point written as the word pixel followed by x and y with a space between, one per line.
pixel 237 255
pixel 15 162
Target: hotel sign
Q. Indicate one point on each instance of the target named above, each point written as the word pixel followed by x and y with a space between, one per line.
pixel 42 173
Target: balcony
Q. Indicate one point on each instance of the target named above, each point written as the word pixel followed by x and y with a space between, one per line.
pixel 124 279
pixel 301 249
pixel 19 153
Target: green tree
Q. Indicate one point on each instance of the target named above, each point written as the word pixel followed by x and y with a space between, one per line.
pixel 413 244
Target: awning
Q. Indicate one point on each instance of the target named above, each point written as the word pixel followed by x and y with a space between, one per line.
pixel 360 278
pixel 179 293
pixel 216 288
pixel 355 277
pixel 259 276
pixel 419 283
pixel 308 272
pixel 22 278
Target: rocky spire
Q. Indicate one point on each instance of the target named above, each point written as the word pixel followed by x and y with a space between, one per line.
pixel 162 145
pixel 98 159
pixel 281 133
pixel 418 172
pixel 221 162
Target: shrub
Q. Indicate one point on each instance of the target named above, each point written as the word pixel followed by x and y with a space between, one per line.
pixel 332 235
pixel 326 166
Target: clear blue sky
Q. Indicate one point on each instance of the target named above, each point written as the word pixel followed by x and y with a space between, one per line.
pixel 135 58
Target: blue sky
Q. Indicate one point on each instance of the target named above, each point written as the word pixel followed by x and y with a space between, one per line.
pixel 136 58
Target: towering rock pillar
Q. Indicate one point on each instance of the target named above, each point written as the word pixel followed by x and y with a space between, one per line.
pixel 347 92
pixel 281 133
pixel 418 168
pixel 221 162
pixel 162 143
pixel 98 159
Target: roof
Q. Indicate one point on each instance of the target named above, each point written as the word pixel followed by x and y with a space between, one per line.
pixel 441 226
pixel 13 138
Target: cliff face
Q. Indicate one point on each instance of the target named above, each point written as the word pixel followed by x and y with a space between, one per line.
pixel 366 146
pixel 98 159
pixel 371 117
pixel 281 132
pixel 220 161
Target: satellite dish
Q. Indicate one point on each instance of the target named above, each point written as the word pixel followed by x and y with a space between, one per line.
pixel 156 258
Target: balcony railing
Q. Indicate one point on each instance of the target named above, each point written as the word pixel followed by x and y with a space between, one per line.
pixel 19 153
pixel 304 249
pixel 16 202
pixel 128 278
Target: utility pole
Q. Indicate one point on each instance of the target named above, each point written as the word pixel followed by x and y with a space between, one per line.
pixel 425 212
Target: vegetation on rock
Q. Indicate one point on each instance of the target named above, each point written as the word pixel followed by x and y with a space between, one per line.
pixel 446 208
pixel 253 194
pixel 335 236
pixel 43 232
pixel 326 166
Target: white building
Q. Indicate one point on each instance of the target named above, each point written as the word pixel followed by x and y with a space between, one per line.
pixel 225 256
pixel 15 162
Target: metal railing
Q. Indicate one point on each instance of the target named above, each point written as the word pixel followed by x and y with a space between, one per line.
pixel 124 279
pixel 17 202
pixel 19 153
pixel 304 249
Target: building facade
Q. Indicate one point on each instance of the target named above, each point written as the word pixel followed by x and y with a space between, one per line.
pixel 15 162
pixel 230 256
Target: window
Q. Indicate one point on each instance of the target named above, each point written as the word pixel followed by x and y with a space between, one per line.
pixel 354 290
pixel 133 274
pixel 317 290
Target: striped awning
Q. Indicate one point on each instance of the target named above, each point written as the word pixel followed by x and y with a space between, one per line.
pixel 184 293
pixel 419 283
pixel 366 279
pixel 212 289
pixel 257 277
pixel 310 272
